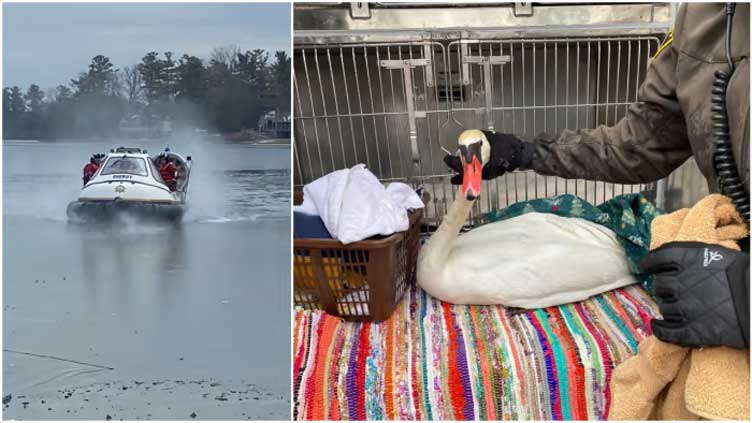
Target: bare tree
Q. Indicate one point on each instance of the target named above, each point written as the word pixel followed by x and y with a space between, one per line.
pixel 227 55
pixel 133 84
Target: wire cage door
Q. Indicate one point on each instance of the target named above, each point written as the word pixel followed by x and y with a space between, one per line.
pixel 364 103
pixel 397 107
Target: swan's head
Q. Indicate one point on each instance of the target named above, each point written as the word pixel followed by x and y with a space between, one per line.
pixel 475 151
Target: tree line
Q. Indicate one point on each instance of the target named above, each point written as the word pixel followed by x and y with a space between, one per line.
pixel 227 94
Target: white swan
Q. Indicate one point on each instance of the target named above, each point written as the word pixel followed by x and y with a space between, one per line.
pixel 534 260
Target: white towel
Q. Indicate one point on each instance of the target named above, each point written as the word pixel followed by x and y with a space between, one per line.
pixel 354 205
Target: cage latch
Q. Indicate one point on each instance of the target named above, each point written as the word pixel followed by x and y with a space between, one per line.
pixel 523 9
pixel 360 10
pixel 406 66
pixel 485 63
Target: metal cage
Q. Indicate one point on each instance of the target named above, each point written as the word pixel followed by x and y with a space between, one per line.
pixel 397 106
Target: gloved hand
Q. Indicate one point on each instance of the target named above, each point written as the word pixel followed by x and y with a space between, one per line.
pixel 703 294
pixel 507 154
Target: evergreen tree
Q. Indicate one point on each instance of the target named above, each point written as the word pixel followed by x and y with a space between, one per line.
pixel 98 103
pixel 61 114
pixel 159 85
pixel 191 79
pixel 14 111
pixel 100 80
pixel 227 98
pixel 280 71
pixel 228 94
pixel 6 113
pixel 577 208
pixel 17 102
pixel 34 118
pixel 191 86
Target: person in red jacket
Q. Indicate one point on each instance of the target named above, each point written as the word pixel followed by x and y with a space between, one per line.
pixel 169 173
pixel 90 169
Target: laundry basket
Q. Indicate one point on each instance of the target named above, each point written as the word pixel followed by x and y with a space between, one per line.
pixel 363 280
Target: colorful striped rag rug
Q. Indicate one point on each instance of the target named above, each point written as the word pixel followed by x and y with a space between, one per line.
pixel 436 361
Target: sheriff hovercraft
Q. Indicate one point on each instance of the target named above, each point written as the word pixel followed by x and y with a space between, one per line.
pixel 128 182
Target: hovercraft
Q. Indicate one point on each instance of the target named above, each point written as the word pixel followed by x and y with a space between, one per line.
pixel 128 183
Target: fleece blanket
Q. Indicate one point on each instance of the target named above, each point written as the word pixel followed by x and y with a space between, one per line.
pixel 436 361
pixel 669 382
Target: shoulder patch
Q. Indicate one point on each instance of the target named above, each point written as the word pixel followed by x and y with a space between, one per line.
pixel 666 42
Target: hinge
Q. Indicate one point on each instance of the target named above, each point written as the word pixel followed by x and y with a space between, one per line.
pixel 401 64
pixel 406 66
pixel 485 63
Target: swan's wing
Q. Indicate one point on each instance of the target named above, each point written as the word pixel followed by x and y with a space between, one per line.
pixel 534 261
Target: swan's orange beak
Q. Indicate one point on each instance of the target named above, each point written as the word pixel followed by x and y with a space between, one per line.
pixel 472 171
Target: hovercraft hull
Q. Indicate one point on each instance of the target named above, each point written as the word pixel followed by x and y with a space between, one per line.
pixel 103 211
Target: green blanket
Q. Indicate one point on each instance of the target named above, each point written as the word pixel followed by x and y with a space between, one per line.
pixel 628 215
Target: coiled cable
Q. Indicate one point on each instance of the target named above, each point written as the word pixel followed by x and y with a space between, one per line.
pixel 729 181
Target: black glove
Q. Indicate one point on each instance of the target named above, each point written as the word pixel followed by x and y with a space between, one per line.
pixel 703 294
pixel 507 154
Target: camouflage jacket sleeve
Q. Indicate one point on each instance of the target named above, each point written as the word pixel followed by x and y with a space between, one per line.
pixel 645 145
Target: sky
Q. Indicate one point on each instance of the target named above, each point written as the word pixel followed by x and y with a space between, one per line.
pixel 50 43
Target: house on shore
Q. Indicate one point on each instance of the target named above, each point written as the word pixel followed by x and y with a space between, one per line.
pixel 275 124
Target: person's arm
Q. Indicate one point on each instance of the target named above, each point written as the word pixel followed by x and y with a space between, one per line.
pixel 644 146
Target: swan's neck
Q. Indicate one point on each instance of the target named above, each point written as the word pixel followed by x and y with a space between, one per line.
pixel 438 247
